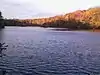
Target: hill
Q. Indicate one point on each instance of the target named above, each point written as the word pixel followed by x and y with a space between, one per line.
pixel 80 19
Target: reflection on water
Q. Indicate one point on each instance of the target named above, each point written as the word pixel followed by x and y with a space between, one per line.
pixel 3 72
pixel 2 48
pixel 1 35
pixel 36 51
pixel 60 29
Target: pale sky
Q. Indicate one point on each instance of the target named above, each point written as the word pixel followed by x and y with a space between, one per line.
pixel 42 8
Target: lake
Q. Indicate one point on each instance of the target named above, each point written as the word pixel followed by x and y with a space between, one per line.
pixel 49 51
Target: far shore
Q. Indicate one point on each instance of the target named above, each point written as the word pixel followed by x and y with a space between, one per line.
pixel 61 28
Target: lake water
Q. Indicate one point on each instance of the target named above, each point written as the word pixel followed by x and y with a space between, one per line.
pixel 47 51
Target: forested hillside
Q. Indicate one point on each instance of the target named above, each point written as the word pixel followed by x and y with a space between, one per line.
pixel 80 19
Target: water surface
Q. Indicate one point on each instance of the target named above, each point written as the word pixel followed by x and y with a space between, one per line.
pixel 44 51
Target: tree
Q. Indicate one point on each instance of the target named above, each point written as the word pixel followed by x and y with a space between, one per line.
pixel 1 21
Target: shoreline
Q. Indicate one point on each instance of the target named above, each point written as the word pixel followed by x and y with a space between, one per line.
pixel 61 28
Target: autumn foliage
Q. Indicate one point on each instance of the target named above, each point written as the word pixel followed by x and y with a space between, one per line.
pixel 81 19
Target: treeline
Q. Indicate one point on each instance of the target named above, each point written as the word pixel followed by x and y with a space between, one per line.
pixel 70 24
pixel 17 22
pixel 1 21
pixel 81 19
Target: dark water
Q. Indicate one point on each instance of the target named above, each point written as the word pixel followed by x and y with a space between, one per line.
pixel 40 51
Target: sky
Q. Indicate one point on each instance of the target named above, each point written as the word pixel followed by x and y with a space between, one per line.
pixel 42 8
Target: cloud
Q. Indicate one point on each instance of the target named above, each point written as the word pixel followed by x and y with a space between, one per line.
pixel 17 8
pixel 39 8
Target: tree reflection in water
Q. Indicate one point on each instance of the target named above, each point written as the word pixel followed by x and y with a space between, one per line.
pixel 3 47
pixel 3 72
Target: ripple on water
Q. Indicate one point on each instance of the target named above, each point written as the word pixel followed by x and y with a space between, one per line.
pixel 51 53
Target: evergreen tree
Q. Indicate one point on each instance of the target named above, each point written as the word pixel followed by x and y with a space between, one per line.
pixel 1 21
